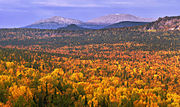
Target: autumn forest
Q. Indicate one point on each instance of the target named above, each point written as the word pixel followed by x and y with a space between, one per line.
pixel 123 67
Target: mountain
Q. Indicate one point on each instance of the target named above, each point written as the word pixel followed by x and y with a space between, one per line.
pixel 166 23
pixel 60 20
pixel 54 23
pixel 98 23
pixel 126 24
pixel 45 25
pixel 116 18
pixel 72 27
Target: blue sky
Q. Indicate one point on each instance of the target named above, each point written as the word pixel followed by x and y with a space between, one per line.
pixel 18 13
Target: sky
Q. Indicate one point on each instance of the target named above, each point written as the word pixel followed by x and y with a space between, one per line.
pixel 19 13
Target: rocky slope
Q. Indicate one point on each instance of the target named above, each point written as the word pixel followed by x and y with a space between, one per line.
pixel 166 23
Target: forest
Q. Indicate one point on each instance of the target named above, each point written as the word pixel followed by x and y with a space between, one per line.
pixel 120 67
pixel 156 40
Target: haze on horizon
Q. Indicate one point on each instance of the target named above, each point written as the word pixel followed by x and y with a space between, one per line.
pixel 18 13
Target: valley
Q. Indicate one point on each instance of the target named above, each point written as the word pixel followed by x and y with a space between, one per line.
pixel 134 65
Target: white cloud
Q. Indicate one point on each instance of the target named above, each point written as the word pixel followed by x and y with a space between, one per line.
pixel 81 3
pixel 69 4
pixel 93 3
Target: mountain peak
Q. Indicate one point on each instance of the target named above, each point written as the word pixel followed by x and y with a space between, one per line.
pixel 60 20
pixel 116 18
pixel 118 14
pixel 57 17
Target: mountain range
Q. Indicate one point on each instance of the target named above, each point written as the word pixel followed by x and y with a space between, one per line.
pixel 97 23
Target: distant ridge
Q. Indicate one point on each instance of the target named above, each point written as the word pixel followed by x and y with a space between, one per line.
pixel 44 25
pixel 72 27
pixel 126 24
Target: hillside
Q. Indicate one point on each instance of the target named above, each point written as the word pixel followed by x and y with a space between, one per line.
pixel 49 39
pixel 72 27
pixel 166 23
pixel 89 68
pixel 126 24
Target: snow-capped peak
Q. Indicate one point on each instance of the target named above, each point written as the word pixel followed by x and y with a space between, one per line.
pixel 116 18
pixel 60 20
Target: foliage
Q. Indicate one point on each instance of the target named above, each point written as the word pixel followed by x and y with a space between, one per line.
pixel 134 78
pixel 96 68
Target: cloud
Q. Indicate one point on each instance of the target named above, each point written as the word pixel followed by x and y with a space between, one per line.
pixel 142 3
pixel 81 3
pixel 34 5
pixel 95 3
pixel 71 3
